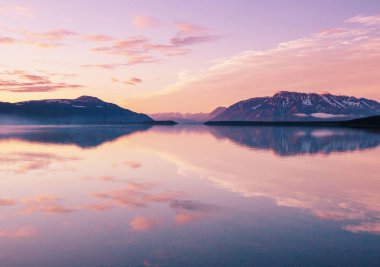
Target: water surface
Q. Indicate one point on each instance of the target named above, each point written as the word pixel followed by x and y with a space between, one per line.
pixel 189 196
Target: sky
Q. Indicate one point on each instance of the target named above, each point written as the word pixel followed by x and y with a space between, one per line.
pixel 187 56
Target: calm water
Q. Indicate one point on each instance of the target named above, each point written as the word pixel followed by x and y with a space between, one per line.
pixel 189 196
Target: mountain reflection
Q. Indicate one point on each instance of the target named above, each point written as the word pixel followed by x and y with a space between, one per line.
pixel 82 136
pixel 290 141
pixel 185 188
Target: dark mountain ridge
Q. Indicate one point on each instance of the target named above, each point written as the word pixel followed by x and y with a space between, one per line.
pixel 82 110
pixel 294 106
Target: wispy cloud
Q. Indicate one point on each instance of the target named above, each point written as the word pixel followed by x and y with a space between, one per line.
pixel 7 40
pixel 46 204
pixel 192 40
pixel 142 22
pixel 138 49
pixel 366 20
pixel 131 81
pixel 17 10
pixel 22 162
pixel 97 38
pixel 22 82
pixel 22 232
pixel 344 60
pixel 189 28
pixel 140 223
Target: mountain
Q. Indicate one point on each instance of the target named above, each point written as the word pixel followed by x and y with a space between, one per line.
pixel 187 117
pixel 292 141
pixel 293 106
pixel 82 110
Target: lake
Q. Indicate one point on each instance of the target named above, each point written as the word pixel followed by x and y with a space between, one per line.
pixel 189 195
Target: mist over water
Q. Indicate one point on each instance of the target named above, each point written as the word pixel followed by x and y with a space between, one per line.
pixel 189 196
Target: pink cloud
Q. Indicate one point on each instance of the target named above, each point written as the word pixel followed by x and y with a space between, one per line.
pixel 46 204
pixel 23 162
pixel 138 195
pixel 98 38
pixel 23 232
pixel 184 27
pixel 142 22
pixel 7 202
pixel 343 60
pixel 21 81
pixel 131 81
pixel 366 20
pixel 192 40
pixel 369 227
pixel 17 10
pixel 185 218
pixel 140 223
pixel 7 40
pixel 110 66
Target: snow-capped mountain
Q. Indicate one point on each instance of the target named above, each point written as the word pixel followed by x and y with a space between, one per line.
pixel 82 110
pixel 187 117
pixel 293 106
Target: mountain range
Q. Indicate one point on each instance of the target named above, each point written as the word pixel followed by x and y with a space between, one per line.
pixel 288 107
pixel 188 117
pixel 293 106
pixel 82 110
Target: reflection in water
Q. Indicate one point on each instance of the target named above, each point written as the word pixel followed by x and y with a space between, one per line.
pixel 288 141
pixel 83 136
pixel 188 196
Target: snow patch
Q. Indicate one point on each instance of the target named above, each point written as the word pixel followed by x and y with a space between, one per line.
pixel 322 133
pixel 327 115
pixel 306 101
pixel 300 115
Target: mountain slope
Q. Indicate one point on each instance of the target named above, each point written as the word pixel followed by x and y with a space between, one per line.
pixel 187 117
pixel 292 106
pixel 83 110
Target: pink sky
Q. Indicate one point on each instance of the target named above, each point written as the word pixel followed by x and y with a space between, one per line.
pixel 187 57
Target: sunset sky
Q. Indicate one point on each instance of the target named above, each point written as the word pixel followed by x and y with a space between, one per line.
pixel 188 56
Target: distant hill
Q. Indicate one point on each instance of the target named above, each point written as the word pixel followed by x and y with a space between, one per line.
pixel 293 106
pixel 82 110
pixel 187 117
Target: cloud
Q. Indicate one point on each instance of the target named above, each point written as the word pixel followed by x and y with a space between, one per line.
pixel 185 218
pixel 7 40
pixel 368 227
pixel 137 195
pixel 22 232
pixel 140 50
pixel 366 20
pixel 22 162
pixel 140 223
pixel 46 204
pixel 20 82
pixel 344 60
pixel 52 35
pixel 49 39
pixel 189 211
pixel 131 81
pixel 142 22
pixel 192 40
pixel 110 66
pixel 322 186
pixel 17 10
pixel 98 38
pixel 185 27
pixel 130 163
pixel 7 202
